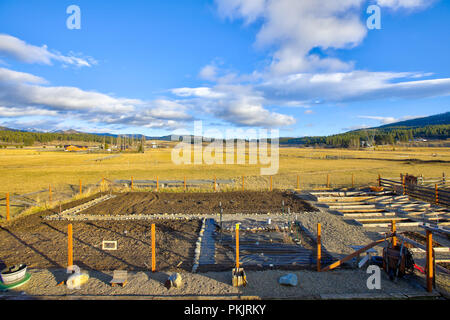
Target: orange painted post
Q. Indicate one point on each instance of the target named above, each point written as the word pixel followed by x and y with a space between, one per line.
pixel 131 183
pixel 436 193
pixel 50 193
pixel 270 183
pixel 184 183
pixel 157 183
pixel 7 207
pixel 403 184
pixel 319 246
pixel 153 248
pixel 429 263
pixel 69 246
pixel 237 246
pixel 393 230
pixel 328 180
pixel 81 188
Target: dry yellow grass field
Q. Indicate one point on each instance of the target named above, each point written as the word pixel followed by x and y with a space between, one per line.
pixel 28 170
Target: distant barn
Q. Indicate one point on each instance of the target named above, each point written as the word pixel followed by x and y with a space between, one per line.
pixel 72 147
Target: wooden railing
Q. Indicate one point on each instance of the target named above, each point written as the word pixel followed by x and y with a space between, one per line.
pixel 435 195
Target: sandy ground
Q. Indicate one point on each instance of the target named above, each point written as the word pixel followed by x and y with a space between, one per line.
pixel 261 284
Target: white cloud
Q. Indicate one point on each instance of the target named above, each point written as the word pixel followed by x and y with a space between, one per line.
pixel 25 111
pixel 10 76
pixel 296 27
pixel 405 4
pixel 350 86
pixel 388 120
pixel 18 49
pixel 204 92
pixel 22 94
pixel 208 72
pixel 249 112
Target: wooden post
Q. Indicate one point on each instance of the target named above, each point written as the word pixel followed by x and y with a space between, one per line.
pixel 153 248
pixel 298 182
pixel 184 183
pixel 429 263
pixel 214 183
pixel 319 246
pixel 270 183
pixel 131 183
pixel 50 193
pixel 443 178
pixel 69 246
pixel 404 184
pixel 7 207
pixel 436 193
pixel 353 180
pixel 328 180
pixel 81 188
pixel 393 230
pixel 237 246
pixel 243 188
pixel 157 183
pixel 379 180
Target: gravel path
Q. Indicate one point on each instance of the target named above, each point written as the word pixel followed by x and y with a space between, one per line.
pixel 262 284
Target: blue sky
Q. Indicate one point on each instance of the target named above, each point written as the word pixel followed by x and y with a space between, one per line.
pixel 305 67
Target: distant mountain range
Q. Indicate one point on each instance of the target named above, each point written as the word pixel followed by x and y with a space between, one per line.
pixel 435 126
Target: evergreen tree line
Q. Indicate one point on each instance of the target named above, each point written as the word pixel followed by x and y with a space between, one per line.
pixel 372 137
pixel 29 138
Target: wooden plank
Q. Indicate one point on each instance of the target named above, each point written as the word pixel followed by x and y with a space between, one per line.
pixel 378 214
pixel 354 254
pixel 381 219
pixel 386 225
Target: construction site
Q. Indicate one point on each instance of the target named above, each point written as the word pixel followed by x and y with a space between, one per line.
pixel 167 239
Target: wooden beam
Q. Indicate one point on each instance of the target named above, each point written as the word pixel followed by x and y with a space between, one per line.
pixel 429 263
pixel 393 230
pixel 319 246
pixel 237 246
pixel 69 245
pixel 354 254
pixel 7 207
pixel 153 248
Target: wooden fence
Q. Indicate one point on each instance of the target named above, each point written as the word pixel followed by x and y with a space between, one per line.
pixel 436 195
